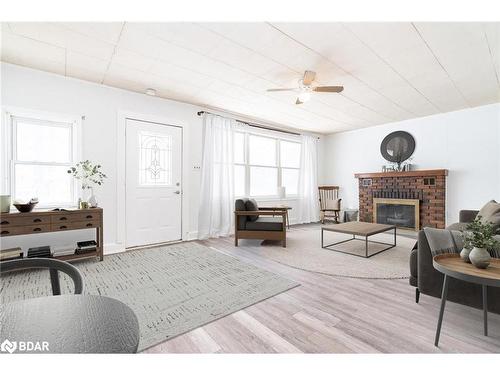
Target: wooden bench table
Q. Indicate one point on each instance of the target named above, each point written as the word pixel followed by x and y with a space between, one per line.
pixel 357 228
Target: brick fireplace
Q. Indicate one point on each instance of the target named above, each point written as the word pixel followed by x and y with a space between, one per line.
pixel 424 189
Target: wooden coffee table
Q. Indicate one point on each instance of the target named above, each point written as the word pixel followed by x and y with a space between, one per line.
pixel 451 265
pixel 357 228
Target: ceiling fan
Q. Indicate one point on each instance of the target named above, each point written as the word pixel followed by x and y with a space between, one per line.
pixel 305 88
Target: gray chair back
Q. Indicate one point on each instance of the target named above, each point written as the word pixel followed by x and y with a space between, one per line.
pixel 54 267
pixel 240 205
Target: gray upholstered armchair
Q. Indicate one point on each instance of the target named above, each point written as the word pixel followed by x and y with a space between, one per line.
pixel 254 223
pixel 429 281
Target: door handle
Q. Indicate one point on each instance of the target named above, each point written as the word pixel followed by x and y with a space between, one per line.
pixel 177 192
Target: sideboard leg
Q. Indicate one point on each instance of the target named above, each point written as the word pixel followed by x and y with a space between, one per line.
pixel 100 242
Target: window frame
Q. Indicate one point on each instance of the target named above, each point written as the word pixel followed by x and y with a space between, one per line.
pixel 10 118
pixel 246 164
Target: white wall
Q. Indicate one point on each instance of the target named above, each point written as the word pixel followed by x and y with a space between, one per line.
pixel 466 142
pixel 104 109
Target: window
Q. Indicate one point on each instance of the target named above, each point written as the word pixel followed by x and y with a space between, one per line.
pixel 155 159
pixel 263 163
pixel 262 151
pixel 290 166
pixel 41 153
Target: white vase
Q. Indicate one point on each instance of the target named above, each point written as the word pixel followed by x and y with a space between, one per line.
pixel 480 257
pixel 92 199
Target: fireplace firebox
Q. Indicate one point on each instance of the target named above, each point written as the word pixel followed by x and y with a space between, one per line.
pixel 404 213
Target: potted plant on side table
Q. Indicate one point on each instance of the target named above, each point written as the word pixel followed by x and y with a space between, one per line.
pixel 479 238
pixel 90 176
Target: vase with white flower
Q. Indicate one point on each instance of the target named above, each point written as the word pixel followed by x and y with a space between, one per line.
pixel 90 176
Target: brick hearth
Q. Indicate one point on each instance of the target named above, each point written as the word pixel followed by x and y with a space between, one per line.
pixel 429 186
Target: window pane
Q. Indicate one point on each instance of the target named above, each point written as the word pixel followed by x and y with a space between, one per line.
pixel 263 181
pixel 50 184
pixel 239 148
pixel 155 159
pixel 290 180
pixel 239 180
pixel 262 150
pixel 290 154
pixel 43 143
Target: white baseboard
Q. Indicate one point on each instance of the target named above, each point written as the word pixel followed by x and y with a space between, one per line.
pixel 113 248
pixel 190 236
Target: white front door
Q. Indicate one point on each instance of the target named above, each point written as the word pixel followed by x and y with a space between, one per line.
pixel 154 185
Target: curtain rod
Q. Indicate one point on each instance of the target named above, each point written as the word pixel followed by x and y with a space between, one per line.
pixel 253 124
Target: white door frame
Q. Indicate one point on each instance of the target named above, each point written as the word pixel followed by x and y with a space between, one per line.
pixel 121 195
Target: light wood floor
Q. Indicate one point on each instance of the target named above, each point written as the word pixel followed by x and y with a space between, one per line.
pixel 328 314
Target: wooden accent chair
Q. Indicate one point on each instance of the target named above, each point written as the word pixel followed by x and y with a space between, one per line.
pixel 252 222
pixel 329 203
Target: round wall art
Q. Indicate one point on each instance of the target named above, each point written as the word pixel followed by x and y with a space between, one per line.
pixel 397 146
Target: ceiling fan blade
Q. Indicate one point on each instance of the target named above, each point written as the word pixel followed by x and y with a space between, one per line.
pixel 298 101
pixel 271 90
pixel 328 88
pixel 308 77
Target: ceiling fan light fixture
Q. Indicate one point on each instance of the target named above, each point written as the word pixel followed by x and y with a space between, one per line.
pixel 304 96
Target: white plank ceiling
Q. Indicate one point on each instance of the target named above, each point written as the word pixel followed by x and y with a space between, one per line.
pixel 390 71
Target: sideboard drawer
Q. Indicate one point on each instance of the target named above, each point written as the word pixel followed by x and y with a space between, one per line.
pixel 26 229
pixel 75 216
pixel 9 221
pixel 72 225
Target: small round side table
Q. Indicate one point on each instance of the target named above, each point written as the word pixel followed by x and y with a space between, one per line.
pixel 451 265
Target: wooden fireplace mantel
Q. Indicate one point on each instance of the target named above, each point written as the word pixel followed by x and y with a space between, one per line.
pixel 417 173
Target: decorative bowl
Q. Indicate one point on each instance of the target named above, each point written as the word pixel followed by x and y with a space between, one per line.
pixel 26 207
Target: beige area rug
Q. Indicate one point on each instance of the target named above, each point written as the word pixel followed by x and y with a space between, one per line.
pixel 304 252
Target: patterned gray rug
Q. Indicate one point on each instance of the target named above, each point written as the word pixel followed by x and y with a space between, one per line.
pixel 172 289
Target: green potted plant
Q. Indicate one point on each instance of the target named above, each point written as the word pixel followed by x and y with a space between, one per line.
pixel 90 176
pixel 479 238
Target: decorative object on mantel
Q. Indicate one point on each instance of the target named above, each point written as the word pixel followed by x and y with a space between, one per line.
pixel 479 238
pixel 403 167
pixel 90 175
pixel 396 148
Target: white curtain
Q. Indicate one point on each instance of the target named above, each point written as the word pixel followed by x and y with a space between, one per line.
pixel 217 189
pixel 308 180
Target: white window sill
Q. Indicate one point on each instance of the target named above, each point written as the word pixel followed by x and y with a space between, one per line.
pixel 274 199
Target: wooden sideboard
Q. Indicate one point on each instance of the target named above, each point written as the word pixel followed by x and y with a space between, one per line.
pixel 15 224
